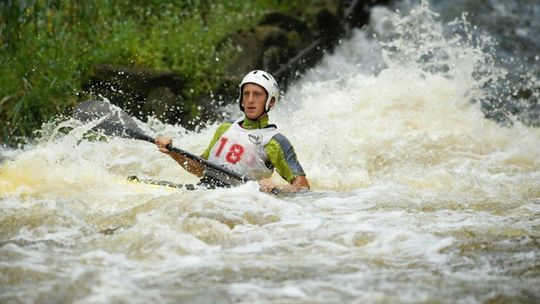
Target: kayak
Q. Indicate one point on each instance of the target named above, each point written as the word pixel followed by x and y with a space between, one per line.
pixel 168 184
pixel 134 178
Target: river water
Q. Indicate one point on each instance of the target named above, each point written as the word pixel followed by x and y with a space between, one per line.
pixel 417 196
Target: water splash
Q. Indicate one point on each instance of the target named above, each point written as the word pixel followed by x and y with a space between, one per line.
pixel 415 112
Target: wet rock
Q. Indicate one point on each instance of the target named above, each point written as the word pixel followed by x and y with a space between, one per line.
pixel 287 45
pixel 268 46
pixel 140 92
pixel 284 44
pixel 255 47
pixel 327 25
pixel 288 23
pixel 355 13
pixel 246 45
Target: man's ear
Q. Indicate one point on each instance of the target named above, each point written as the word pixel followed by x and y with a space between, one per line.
pixel 272 102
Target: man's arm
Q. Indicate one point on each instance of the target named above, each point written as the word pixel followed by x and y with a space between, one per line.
pixel 190 165
pixel 283 157
pixel 299 183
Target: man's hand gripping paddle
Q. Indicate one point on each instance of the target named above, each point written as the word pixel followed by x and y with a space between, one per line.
pixel 116 122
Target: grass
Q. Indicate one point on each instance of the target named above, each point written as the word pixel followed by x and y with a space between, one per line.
pixel 49 47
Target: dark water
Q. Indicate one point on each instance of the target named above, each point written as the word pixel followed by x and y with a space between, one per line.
pixel 514 27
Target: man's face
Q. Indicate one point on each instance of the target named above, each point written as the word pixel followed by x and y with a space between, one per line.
pixel 253 100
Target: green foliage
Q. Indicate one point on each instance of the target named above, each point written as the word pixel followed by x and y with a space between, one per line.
pixel 49 47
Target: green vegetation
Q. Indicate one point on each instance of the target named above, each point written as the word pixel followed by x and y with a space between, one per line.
pixel 49 47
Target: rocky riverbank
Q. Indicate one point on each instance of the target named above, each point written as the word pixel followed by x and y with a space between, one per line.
pixel 285 44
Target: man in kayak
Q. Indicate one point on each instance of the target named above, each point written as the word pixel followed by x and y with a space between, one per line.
pixel 249 145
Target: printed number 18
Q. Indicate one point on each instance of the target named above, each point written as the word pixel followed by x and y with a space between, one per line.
pixel 235 151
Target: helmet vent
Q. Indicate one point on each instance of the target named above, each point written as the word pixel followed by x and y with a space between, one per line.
pixel 265 77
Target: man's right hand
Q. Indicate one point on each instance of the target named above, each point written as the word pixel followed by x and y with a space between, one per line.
pixel 192 166
pixel 162 143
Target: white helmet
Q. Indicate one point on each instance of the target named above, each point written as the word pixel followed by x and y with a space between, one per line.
pixel 266 81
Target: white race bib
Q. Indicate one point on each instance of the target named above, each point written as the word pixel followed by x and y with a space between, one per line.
pixel 242 151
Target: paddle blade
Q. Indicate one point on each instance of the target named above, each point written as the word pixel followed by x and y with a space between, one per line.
pixel 112 120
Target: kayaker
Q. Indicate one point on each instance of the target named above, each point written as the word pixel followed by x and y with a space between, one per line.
pixel 250 145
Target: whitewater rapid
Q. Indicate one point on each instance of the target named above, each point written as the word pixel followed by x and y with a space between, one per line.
pixel 417 196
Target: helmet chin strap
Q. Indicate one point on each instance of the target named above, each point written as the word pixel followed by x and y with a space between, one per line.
pixel 263 112
pixel 257 118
